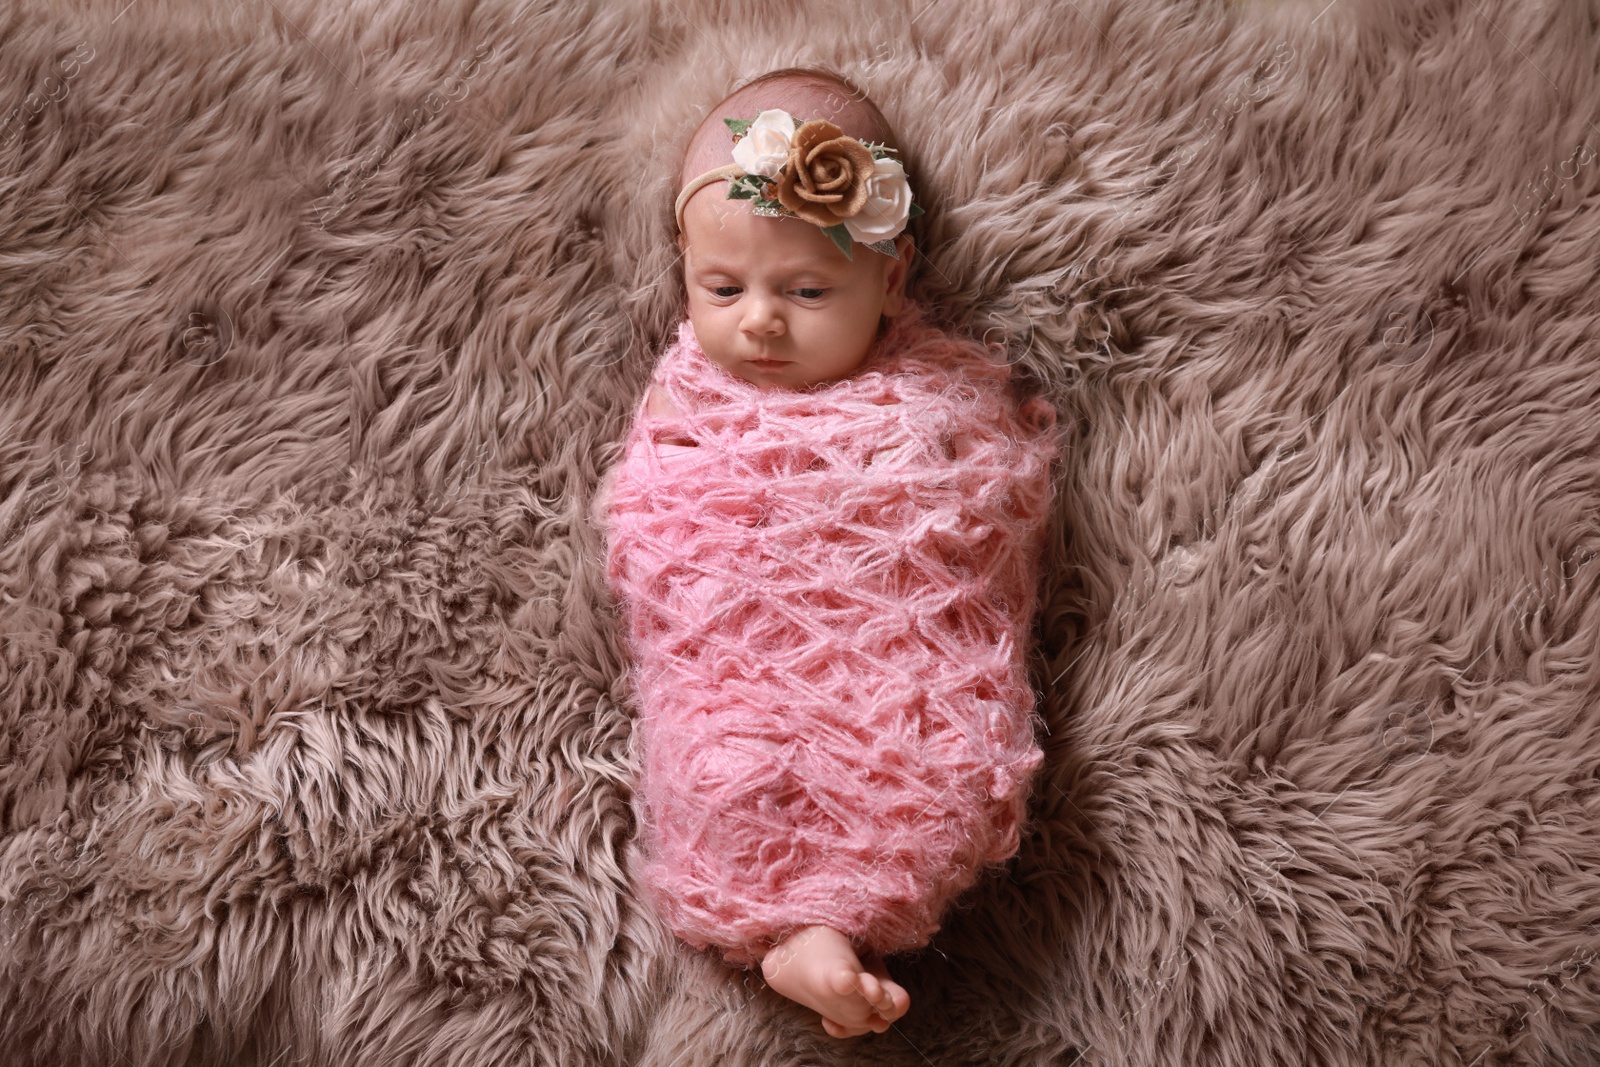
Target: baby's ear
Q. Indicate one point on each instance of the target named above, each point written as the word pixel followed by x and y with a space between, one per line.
pixel 683 241
pixel 895 281
pixel 907 246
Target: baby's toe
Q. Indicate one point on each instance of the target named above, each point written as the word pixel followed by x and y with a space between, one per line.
pixel 838 1029
pixel 842 982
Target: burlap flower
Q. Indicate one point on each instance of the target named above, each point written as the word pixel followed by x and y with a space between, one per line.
pixel 825 181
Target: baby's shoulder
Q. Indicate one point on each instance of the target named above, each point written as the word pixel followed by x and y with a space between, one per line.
pixel 658 405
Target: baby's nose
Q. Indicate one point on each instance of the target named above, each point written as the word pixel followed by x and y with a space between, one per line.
pixel 764 318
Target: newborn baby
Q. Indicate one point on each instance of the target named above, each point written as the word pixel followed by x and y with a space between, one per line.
pixel 825 536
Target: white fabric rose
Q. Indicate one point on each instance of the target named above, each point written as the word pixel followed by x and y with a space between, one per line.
pixel 888 204
pixel 764 148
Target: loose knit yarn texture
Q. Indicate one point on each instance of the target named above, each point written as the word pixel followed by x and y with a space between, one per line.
pixel 827 604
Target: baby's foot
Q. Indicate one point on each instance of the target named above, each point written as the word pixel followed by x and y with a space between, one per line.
pixel 817 966
pixel 895 995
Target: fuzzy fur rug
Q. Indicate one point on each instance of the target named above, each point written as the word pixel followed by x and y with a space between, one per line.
pixel 318 323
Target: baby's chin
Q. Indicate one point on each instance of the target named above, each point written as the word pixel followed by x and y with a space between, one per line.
pixel 788 377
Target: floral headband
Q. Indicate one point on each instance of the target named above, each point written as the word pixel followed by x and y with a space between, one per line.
pixel 812 171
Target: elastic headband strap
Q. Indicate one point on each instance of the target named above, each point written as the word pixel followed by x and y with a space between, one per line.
pixel 731 170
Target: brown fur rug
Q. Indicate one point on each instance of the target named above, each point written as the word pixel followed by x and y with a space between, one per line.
pixel 319 321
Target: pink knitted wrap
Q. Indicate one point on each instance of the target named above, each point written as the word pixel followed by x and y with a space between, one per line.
pixel 827 604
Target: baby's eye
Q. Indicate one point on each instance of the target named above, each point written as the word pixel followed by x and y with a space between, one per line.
pixel 810 294
pixel 725 291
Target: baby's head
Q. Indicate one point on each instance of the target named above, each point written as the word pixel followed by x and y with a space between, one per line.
pixel 779 286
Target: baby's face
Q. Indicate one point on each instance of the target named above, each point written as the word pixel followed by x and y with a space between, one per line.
pixel 780 289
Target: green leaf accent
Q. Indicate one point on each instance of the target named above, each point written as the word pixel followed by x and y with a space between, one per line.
pixel 886 246
pixel 738 126
pixel 916 209
pixel 841 237
pixel 745 187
